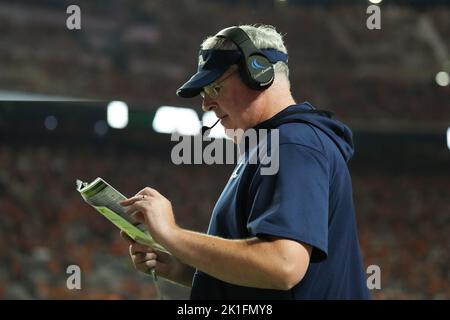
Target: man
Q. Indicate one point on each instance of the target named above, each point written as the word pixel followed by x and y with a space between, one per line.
pixel 289 235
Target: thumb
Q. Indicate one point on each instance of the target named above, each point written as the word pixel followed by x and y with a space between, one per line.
pixel 138 216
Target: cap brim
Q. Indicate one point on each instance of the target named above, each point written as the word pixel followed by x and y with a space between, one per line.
pixel 195 84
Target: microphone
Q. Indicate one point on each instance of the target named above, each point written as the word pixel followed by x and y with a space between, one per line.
pixel 206 128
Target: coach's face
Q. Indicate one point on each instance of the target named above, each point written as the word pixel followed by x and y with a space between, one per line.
pixel 232 101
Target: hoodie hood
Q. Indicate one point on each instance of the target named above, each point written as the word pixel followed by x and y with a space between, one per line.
pixel 338 132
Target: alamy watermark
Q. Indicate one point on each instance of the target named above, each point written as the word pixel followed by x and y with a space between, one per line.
pixel 373 22
pixel 374 279
pixel 73 281
pixel 73 21
pixel 251 146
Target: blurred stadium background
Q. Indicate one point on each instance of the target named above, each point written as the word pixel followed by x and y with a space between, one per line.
pixel 389 85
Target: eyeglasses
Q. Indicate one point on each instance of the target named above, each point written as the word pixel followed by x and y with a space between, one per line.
pixel 213 89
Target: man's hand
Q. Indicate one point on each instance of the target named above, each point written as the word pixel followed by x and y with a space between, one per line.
pixel 148 206
pixel 165 265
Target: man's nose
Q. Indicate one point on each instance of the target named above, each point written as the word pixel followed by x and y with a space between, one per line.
pixel 207 104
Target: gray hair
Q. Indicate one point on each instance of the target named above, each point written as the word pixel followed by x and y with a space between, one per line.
pixel 263 36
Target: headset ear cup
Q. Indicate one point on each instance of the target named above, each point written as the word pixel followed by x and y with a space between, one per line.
pixel 260 71
pixel 255 68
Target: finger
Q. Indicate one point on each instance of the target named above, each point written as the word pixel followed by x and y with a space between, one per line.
pixel 148 191
pixel 136 209
pixel 139 248
pixel 135 249
pixel 150 264
pixel 144 260
pixel 143 257
pixel 131 208
pixel 147 266
pixel 125 236
pixel 136 216
pixel 141 195
pixel 138 258
pixel 132 200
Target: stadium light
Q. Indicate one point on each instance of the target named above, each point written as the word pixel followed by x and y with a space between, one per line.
pixel 448 138
pixel 208 119
pixel 174 119
pixel 117 114
pixel 50 122
pixel 442 78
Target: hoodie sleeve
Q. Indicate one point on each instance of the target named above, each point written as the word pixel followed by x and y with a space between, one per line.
pixel 293 202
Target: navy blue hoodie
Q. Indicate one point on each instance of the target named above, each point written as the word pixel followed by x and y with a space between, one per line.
pixel 309 200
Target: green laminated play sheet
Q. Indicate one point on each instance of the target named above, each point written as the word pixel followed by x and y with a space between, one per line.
pixel 105 199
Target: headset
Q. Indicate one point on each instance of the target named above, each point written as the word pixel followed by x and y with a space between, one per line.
pixel 254 67
pixel 257 72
